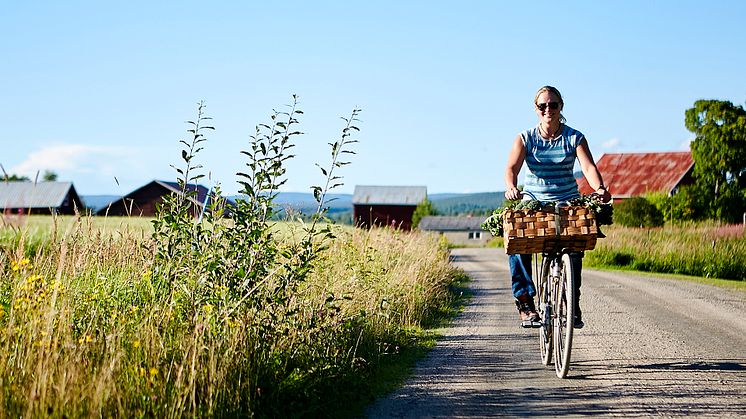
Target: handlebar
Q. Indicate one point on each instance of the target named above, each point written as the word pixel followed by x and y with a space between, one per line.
pixel 565 203
pixel 532 196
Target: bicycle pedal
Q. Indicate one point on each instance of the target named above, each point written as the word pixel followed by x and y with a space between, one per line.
pixel 528 324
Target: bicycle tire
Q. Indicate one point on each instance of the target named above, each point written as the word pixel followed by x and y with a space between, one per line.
pixel 564 315
pixel 545 312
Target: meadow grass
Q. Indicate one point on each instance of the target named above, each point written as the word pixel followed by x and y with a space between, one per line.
pixel 708 250
pixel 86 330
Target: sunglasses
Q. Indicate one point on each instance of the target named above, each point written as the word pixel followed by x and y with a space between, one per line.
pixel 543 106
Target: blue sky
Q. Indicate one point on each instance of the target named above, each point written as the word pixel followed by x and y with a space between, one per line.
pixel 98 91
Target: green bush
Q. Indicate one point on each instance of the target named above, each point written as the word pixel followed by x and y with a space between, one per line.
pixel 423 209
pixel 637 212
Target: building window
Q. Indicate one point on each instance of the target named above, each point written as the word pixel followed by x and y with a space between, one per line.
pixel 475 235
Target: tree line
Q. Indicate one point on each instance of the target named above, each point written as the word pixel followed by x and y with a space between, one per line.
pixel 48 176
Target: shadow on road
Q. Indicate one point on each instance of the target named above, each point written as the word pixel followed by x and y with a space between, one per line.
pixel 711 365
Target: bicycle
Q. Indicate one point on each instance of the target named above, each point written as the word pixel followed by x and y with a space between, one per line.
pixel 556 308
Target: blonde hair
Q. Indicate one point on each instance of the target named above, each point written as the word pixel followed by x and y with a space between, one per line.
pixel 553 90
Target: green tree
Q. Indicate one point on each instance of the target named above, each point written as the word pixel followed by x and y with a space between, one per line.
pixel 637 212
pixel 16 178
pixel 719 153
pixel 423 209
pixel 688 203
pixel 685 205
pixel 49 176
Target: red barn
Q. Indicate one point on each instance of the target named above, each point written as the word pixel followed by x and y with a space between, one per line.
pixel 386 205
pixel 145 200
pixel 634 174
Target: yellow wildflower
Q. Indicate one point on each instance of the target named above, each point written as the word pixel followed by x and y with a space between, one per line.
pixel 136 344
pixel 153 371
pixel 142 372
pixel 21 264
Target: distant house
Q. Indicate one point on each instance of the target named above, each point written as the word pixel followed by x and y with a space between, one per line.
pixel 386 205
pixel 634 174
pixel 457 230
pixel 145 200
pixel 40 198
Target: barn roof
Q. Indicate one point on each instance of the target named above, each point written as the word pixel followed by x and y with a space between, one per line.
pixel 634 174
pixel 190 187
pixel 34 195
pixel 389 195
pixel 198 199
pixel 450 223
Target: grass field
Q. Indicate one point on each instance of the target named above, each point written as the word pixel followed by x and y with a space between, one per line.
pixel 87 329
pixel 707 250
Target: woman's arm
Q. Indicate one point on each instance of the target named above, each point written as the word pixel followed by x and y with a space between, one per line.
pixel 515 161
pixel 590 171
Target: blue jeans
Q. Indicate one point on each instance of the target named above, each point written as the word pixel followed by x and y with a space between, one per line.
pixel 520 274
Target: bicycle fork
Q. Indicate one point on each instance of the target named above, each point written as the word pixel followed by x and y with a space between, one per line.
pixel 555 273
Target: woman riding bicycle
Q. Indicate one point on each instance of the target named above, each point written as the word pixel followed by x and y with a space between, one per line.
pixel 549 151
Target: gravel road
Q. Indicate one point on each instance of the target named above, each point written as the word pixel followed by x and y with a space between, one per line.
pixel 651 347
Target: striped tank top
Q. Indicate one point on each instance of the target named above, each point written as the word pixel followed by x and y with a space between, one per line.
pixel 550 164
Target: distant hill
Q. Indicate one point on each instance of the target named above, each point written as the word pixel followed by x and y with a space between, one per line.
pixel 96 202
pixel 298 200
pixel 306 200
pixel 340 205
pixel 464 204
pixel 441 196
pixel 446 203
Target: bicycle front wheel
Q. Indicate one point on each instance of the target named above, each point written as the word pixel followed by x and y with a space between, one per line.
pixel 564 316
pixel 545 312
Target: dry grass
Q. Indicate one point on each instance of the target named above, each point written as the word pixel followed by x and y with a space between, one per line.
pixel 85 331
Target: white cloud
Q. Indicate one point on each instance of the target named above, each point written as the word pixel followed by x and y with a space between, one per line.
pixel 610 144
pixel 72 158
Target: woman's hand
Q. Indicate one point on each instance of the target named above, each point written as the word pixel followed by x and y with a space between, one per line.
pixel 512 194
pixel 603 194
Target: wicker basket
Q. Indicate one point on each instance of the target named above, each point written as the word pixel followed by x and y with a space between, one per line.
pixel 531 231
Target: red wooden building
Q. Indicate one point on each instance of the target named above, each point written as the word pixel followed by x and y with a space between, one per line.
pixel 634 174
pixel 145 200
pixel 386 205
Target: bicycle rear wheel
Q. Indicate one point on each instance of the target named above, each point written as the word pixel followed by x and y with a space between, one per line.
pixel 545 312
pixel 564 315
